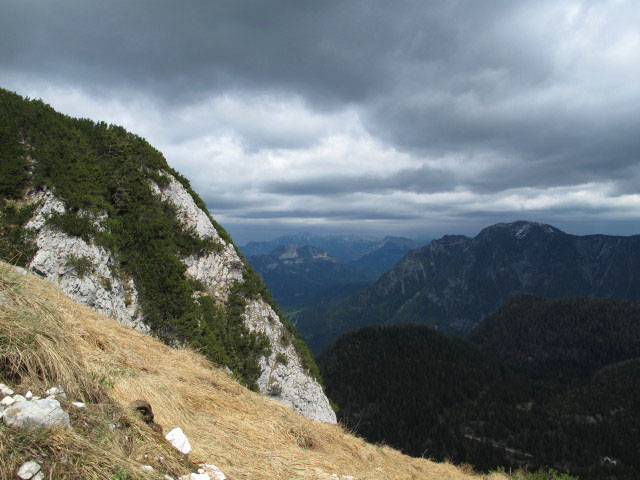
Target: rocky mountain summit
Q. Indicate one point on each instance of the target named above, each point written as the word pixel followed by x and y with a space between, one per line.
pixel 454 282
pixel 98 211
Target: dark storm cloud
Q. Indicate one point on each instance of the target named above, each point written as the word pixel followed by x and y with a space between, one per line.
pixel 484 97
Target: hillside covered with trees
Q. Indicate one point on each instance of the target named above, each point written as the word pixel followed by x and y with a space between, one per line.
pixel 493 399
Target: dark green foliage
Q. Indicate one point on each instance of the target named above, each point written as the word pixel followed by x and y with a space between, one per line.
pixel 14 167
pixel 552 398
pixel 81 265
pixel 102 173
pixel 570 336
pixel 16 244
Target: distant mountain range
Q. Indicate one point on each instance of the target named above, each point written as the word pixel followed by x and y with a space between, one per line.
pixel 299 274
pixel 344 248
pixel 454 282
pixel 540 383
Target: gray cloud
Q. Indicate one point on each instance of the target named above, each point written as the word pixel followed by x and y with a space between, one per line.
pixel 473 99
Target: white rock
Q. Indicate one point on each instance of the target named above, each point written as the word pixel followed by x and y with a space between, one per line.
pixel 28 470
pixel 147 467
pixel 298 389
pixel 97 289
pixel 199 476
pixel 179 440
pixel 6 401
pixel 54 391
pixel 36 414
pixel 38 476
pixel 28 395
pixel 78 404
pixel 19 398
pixel 21 270
pixel 214 472
pixel 4 390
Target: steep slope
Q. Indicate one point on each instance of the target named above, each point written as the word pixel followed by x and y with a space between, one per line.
pixel 46 339
pixel 454 282
pixel 295 274
pixel 99 212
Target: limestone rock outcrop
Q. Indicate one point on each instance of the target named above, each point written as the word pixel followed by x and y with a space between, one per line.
pixel 89 274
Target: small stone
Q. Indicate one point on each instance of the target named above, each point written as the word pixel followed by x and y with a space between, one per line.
pixel 38 476
pixel 7 401
pixel 28 470
pixel 214 472
pixel 20 270
pixel 199 476
pixel 55 392
pixel 179 440
pixel 36 414
pixel 78 404
pixel 28 395
pixel 147 467
pixel 19 398
pixel 35 397
pixel 4 390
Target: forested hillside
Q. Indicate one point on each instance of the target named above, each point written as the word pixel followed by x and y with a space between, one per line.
pixel 487 403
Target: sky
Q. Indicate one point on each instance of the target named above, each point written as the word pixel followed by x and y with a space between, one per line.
pixel 402 117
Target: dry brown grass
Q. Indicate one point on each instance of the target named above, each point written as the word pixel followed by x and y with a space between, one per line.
pixel 247 435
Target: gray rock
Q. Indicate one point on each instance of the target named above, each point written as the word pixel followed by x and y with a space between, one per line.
pixel 295 387
pixel 36 414
pixel 4 390
pixel 28 470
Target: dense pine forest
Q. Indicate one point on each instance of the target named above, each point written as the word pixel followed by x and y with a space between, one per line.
pixel 540 384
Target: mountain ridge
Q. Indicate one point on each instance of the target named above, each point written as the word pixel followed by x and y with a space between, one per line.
pixel 455 281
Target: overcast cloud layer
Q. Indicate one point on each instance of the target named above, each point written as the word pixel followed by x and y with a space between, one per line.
pixel 406 117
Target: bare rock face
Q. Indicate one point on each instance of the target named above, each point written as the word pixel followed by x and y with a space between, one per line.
pixel 85 272
pixel 283 375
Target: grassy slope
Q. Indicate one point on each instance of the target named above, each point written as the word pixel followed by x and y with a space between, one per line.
pixel 46 339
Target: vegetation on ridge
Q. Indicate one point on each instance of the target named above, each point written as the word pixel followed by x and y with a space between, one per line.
pixel 102 173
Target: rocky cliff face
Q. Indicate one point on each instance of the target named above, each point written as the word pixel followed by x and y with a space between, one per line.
pixel 91 282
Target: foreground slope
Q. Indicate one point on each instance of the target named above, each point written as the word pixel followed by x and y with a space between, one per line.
pixel 46 339
pixel 98 211
pixel 454 282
